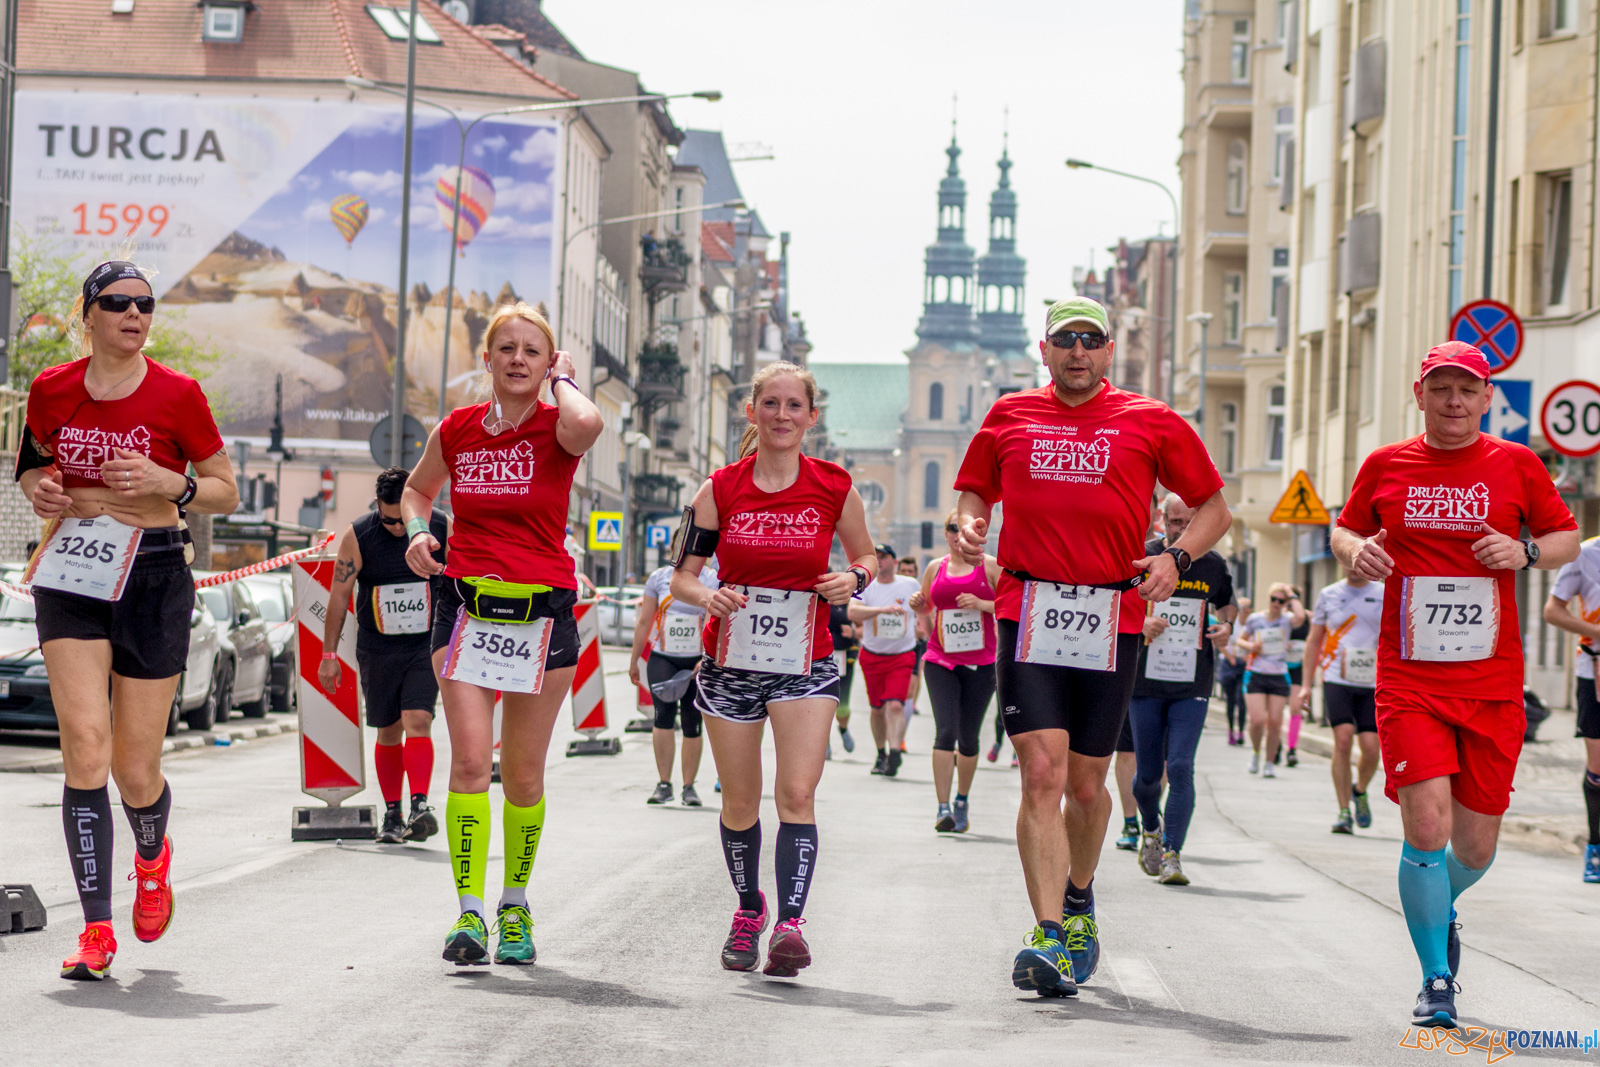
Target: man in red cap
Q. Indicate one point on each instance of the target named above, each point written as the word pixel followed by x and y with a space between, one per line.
pixel 1437 518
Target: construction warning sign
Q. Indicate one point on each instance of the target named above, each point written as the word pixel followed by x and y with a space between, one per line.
pixel 1299 504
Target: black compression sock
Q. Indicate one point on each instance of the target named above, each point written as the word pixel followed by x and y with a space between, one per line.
pixel 150 824
pixel 86 818
pixel 961 798
pixel 741 849
pixel 1591 800
pixel 883 753
pixel 391 807
pixel 796 861
pixel 1079 901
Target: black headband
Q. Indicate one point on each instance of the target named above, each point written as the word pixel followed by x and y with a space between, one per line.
pixel 105 274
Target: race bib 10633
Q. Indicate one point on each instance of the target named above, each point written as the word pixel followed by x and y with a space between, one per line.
pixel 680 634
pixel 771 633
pixel 90 557
pixel 1449 620
pixel 961 630
pixel 1174 656
pixel 1068 626
pixel 402 608
pixel 508 656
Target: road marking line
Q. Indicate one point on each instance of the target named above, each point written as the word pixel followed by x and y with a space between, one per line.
pixel 1139 980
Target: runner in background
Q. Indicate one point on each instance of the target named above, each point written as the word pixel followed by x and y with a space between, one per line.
pixel 1436 518
pixel 671 630
pixel 771 517
pixel 888 656
pixel 1343 646
pixel 843 632
pixel 509 463
pixel 1296 658
pixel 1580 580
pixel 1124 767
pixel 394 617
pixel 1230 678
pixel 956 602
pixel 1265 640
pixel 106 441
pixel 907 568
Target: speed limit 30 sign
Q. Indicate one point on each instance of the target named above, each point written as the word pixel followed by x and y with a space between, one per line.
pixel 1570 419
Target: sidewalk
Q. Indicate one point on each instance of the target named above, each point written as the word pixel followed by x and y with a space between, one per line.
pixel 18 758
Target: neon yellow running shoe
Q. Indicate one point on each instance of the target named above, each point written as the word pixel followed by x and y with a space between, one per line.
pixel 514 925
pixel 467 941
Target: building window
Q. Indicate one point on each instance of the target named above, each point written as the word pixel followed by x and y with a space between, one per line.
pixel 936 402
pixel 1239 56
pixel 1273 453
pixel 1232 306
pixel 223 22
pixel 1283 136
pixel 1280 278
pixel 1563 16
pixel 1458 167
pixel 1228 437
pixel 930 486
pixel 1557 240
pixel 1283 19
pixel 392 21
pixel 677 210
pixel 1235 188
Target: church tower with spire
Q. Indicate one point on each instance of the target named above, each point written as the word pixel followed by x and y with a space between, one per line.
pixel 947 292
pixel 1001 276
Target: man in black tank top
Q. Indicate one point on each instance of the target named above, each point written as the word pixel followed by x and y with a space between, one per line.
pixel 394 620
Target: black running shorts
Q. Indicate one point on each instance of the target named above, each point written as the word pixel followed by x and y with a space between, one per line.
pixel 148 627
pixel 1351 705
pixel 1296 673
pixel 743 696
pixel 1090 705
pixel 1588 709
pixel 392 682
pixel 659 668
pixel 1273 685
pixel 563 636
pixel 1125 739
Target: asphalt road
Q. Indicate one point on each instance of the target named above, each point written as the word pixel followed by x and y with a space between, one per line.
pixel 1289 947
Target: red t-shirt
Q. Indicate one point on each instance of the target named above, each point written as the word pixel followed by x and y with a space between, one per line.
pixel 777 540
pixel 1077 482
pixel 166 418
pixel 1432 501
pixel 509 495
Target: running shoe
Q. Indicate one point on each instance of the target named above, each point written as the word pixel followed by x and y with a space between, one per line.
pixel 689 798
pixel 1277 757
pixel 1269 771
pixel 1436 1004
pixel 1129 839
pixel 958 808
pixel 944 821
pixel 1591 863
pixel 1452 946
pixel 1014 761
pixel 891 767
pixel 1044 965
pixel 393 831
pixel 467 941
pixel 846 740
pixel 152 897
pixel 1292 759
pixel 994 752
pixel 787 952
pixel 96 949
pixel 662 795
pixel 1363 810
pixel 742 950
pixel 827 751
pixel 879 763
pixel 1255 763
pixel 1343 824
pixel 515 927
pixel 1171 870
pixel 1150 849
pixel 716 785
pixel 423 823
pixel 1083 945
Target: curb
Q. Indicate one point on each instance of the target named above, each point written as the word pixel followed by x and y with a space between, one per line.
pixel 223 737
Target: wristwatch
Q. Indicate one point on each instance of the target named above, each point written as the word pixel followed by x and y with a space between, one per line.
pixel 861 579
pixel 563 378
pixel 1180 557
pixel 1532 549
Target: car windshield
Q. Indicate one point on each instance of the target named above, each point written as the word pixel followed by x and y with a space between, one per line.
pixel 217 601
pixel 13 610
pixel 271 605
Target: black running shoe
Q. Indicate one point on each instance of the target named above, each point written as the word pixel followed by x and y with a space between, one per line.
pixel 880 763
pixel 662 795
pixel 892 766
pixel 1292 759
pixel 1436 1004
pixel 394 827
pixel 742 950
pixel 423 823
pixel 1452 946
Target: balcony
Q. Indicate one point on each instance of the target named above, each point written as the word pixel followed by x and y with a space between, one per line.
pixel 664 267
pixel 1360 253
pixel 666 432
pixel 614 367
pixel 1368 87
pixel 660 378
pixel 657 492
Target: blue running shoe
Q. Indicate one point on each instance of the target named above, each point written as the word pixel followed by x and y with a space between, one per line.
pixel 1044 966
pixel 1591 863
pixel 1363 810
pixel 958 808
pixel 1129 841
pixel 1452 946
pixel 1436 1004
pixel 1083 944
pixel 467 941
pixel 849 742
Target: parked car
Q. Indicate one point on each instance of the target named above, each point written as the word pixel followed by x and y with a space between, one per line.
pixel 274 595
pixel 246 652
pixel 616 621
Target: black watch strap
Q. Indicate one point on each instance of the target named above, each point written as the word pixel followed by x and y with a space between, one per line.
pixel 1181 558
pixel 1531 550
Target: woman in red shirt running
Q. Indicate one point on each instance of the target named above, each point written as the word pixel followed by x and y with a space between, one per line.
pixel 108 440
pixel 504 614
pixel 771 517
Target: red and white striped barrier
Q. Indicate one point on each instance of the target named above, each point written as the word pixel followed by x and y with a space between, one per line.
pixel 332 766
pixel 589 688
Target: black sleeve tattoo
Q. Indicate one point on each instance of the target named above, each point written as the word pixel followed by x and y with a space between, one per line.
pixel 344 570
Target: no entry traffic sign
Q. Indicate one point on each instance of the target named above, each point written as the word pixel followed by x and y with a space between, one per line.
pixel 1492 327
pixel 1570 419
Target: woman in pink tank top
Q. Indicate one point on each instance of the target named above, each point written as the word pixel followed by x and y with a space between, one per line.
pixel 957 670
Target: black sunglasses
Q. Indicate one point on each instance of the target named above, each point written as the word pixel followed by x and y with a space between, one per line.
pixel 391 522
pixel 117 303
pixel 951 527
pixel 1279 600
pixel 1068 338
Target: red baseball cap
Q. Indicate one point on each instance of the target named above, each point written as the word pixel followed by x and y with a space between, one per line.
pixel 1455 354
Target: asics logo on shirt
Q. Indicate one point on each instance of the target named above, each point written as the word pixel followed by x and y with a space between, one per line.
pixel 1446 507
pixel 495 471
pixel 1055 459
pixel 82 449
pixel 778 529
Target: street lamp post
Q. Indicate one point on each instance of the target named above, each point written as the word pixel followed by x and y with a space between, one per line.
pixel 1204 319
pixel 1172 353
pixel 464 130
pixel 397 435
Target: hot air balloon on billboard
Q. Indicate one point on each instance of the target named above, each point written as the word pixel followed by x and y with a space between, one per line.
pixel 477 201
pixel 349 214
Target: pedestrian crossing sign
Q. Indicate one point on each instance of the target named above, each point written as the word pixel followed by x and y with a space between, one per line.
pixel 1300 504
pixel 605 531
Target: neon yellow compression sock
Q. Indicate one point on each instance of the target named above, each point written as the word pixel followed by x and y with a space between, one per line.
pixel 466 820
pixel 523 828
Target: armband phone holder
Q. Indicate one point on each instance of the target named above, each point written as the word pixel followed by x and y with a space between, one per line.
pixel 691 540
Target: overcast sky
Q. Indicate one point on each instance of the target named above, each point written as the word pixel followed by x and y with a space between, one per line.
pixel 854 100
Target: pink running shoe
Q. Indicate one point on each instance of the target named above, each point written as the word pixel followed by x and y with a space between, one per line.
pixel 787 952
pixel 742 950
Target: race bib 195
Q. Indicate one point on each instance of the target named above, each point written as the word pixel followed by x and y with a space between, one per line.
pixel 1068 626
pixel 771 633
pixel 508 656
pixel 402 608
pixel 90 557
pixel 1174 656
pixel 1449 620
pixel 961 630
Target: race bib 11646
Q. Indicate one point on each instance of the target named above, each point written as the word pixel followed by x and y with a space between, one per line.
pixel 402 608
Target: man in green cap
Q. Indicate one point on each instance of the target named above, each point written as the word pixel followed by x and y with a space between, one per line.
pixel 1080 459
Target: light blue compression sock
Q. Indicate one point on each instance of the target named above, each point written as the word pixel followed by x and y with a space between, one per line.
pixel 1462 877
pixel 1425 899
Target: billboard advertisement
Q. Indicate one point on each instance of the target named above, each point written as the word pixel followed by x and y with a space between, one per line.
pixel 273 229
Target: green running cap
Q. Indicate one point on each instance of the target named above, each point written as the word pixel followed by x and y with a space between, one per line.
pixel 1079 311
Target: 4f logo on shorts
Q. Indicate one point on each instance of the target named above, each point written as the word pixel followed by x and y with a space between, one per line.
pixel 1447 507
pixel 1061 460
pixel 1400 768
